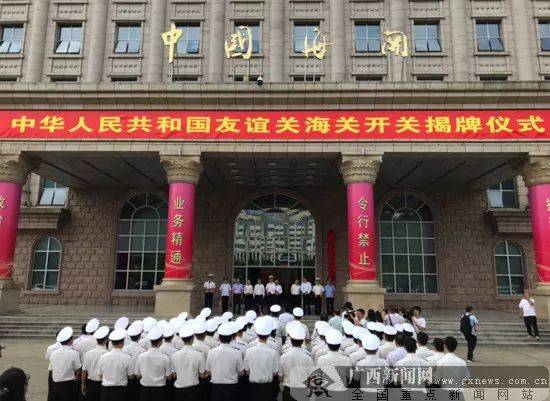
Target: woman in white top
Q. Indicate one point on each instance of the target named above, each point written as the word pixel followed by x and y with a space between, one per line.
pixel 259 295
pixel 248 292
pixel 418 321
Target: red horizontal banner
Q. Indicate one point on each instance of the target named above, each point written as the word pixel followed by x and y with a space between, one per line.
pixel 462 125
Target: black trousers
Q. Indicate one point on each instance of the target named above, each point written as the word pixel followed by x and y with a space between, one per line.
pixel 133 389
pixel 208 299
pixel 153 394
pixel 237 304
pixel 65 391
pixel 531 325
pixel 258 302
pixel 318 302
pixel 225 304
pixel 307 304
pixel 93 390
pixel 300 393
pixel 248 300
pixel 115 393
pixel 260 391
pixel 472 342
pixel 330 306
pixel 224 392
pixel 192 393
pixel 296 301
pixel 204 385
pixel 50 382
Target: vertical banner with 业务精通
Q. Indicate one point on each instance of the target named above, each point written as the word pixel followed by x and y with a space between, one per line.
pixel 10 198
pixel 539 197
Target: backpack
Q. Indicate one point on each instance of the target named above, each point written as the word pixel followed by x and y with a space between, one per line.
pixel 465 325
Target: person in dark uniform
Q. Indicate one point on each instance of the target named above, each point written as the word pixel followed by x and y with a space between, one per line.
pixel 115 368
pixel 65 366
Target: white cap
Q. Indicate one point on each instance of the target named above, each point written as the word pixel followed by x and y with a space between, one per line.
pixel 183 315
pixel 334 337
pixel 155 334
pixel 200 327
pixel 117 335
pixel 168 331
pixel 101 333
pixel 135 329
pixel 187 330
pixel 298 312
pixel 227 316
pixel 162 324
pixel 206 312
pixel 359 332
pixel 199 318
pixel 286 318
pixel 251 316
pixel 379 327
pixel 399 328
pixel 226 329
pixel 370 342
pixel 64 334
pixel 122 323
pixel 149 323
pixel 263 326
pixel 211 325
pixel 275 308
pixel 234 327
pixel 92 326
pixel 321 327
pixel 348 327
pixel 241 322
pixel 390 330
pixel 295 330
pixel 371 326
pixel 408 327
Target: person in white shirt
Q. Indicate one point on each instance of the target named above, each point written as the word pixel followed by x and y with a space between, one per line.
pixel 295 294
pixel 305 289
pixel 115 368
pixel 334 359
pixel 49 351
pixel 91 379
pixel 259 295
pixel 65 366
pixel 270 291
pixel 154 368
pixel 389 344
pixel 418 321
pixel 189 367
pixel 225 292
pixel 399 352
pixel 248 293
pixel 134 350
pixel 87 342
pixel 451 366
pixel 336 320
pixel 167 347
pixel 318 290
pixel 439 348
pixel 278 293
pixel 298 314
pixel 422 350
pixel 371 345
pixel 224 365
pixel 411 360
pixel 209 288
pixel 529 314
pixel 261 362
pixel 393 318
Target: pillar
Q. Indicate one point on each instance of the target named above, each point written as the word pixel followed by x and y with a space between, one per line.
pixel 156 45
pixel 362 288
pixel 461 41
pixel 216 39
pixel 396 70
pixel 174 294
pixel 13 174
pixel 37 41
pixel 337 49
pixel 522 39
pixel 276 41
pixel 96 43
pixel 536 174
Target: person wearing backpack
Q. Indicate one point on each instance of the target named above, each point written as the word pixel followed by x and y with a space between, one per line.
pixel 468 327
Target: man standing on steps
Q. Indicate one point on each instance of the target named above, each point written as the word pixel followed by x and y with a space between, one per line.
pixel 468 327
pixel 209 287
pixel 529 314
pixel 237 290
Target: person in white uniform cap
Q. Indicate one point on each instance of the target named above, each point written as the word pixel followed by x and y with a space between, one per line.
pixel 154 368
pixel 295 365
pixel 198 343
pixel 261 363
pixel 65 366
pixel 298 314
pixel 371 345
pixel 347 328
pixel 408 330
pixel 49 351
pixel 358 331
pixel 238 343
pixel 91 379
pixel 211 327
pixel 134 350
pixel 224 364
pixel 148 324
pixel 334 364
pixel 189 367
pixel 389 344
pixel 274 311
pixel 358 355
pixel 168 334
pixel 115 368
pixel 122 323
pixel 87 342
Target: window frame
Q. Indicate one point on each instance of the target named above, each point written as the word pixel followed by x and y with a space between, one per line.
pixel 509 275
pixel 367 39
pixel 55 189
pixel 118 26
pixel 45 270
pixel 59 41
pixel 487 22
pixel 251 23
pixel 183 25
pixel 501 191
pixel 12 26
pixel 542 38
pixel 303 23
pixel 425 24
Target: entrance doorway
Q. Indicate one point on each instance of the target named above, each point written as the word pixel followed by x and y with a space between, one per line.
pixel 275 235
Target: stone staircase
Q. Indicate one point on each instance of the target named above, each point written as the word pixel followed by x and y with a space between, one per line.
pixel 491 333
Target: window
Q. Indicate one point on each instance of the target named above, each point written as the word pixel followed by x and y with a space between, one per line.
pixel 128 38
pixel 8 79
pixel 430 78
pixel 12 37
pixel 544 32
pixel 426 37
pixel 488 36
pixel 407 246
pixel 367 37
pixel 64 79
pixel 185 78
pixel 307 78
pixel 45 265
pixel 493 78
pixel 190 41
pixel 502 195
pixel 304 32
pixel 369 78
pixel 69 39
pixel 53 194
pixel 245 78
pixel 124 79
pixel 255 30
pixel 141 243
pixel 509 268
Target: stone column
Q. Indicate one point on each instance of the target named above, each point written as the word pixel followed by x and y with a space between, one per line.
pixel 216 39
pixel 397 67
pixel 276 51
pixel 522 39
pixel 337 49
pixel 536 174
pixel 13 175
pixel 460 40
pixel 156 46
pixel 96 43
pixel 174 294
pixel 37 41
pixel 362 288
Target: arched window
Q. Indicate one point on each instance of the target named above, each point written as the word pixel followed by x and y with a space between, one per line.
pixel 141 243
pixel 45 265
pixel 407 246
pixel 509 268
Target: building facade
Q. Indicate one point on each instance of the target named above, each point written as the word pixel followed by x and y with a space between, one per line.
pixel 399 147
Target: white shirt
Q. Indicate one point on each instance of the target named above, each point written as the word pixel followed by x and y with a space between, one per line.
pixel 86 343
pixel 336 322
pixel 318 290
pixel 419 323
pixel 305 287
pixel 225 289
pixel 91 362
pixel 351 349
pixel 393 319
pixel 188 364
pixel 528 309
pixel 63 364
pixel 270 288
pixel 51 349
pixel 432 360
pixel 262 363
pixel 331 360
pixel 411 360
pixel 259 289
pixel 396 355
pixel 357 356
pixel 202 347
pixel 278 289
pixel 295 289
pixel 225 364
pixel 134 350
pixel 153 366
pixel 167 348
pixel 451 366
pixel 114 367
pixel 295 366
pixel 385 349
pixel 372 360
pixel 424 352
pixel 209 285
pixel 248 289
pixel 211 341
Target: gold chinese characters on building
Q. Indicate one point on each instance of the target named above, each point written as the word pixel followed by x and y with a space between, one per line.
pixel 240 43
pixel 170 39
pixel 395 42
pixel 316 47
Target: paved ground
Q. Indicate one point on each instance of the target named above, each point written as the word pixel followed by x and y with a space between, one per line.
pixel 29 355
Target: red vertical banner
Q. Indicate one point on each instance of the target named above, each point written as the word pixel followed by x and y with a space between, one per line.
pixel 539 196
pixel 361 233
pixel 331 256
pixel 179 238
pixel 10 201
